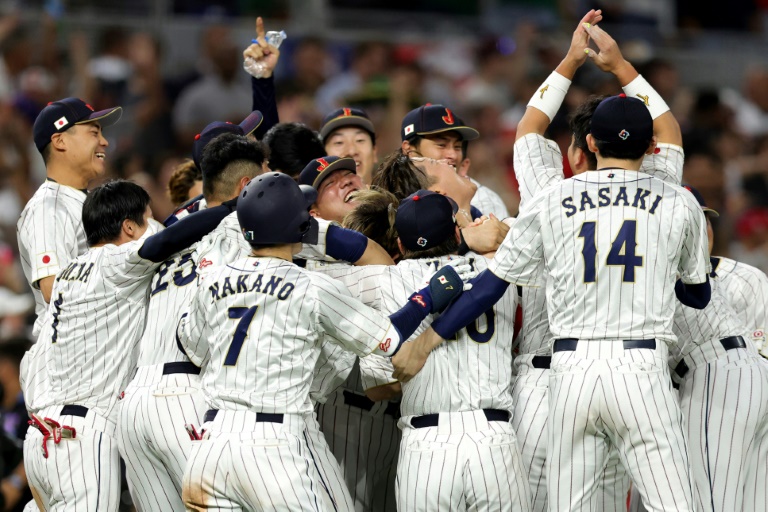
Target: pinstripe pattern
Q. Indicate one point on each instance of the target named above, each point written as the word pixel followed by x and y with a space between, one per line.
pixel 332 485
pixel 465 463
pixel 622 390
pixel 80 474
pixel 746 289
pixel 724 398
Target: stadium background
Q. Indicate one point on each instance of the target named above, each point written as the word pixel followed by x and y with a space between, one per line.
pixel 482 58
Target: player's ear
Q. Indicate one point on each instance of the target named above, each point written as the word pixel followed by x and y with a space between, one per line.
pixel 458 234
pixel 58 141
pixel 406 147
pixel 313 212
pixel 400 246
pixel 591 143
pixel 242 183
pixel 652 146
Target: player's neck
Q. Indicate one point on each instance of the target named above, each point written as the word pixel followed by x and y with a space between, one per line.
pixel 283 252
pixel 618 163
pixel 63 175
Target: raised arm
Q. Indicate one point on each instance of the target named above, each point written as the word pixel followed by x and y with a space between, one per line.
pixel 263 87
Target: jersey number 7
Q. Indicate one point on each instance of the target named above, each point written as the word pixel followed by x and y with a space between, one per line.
pixel 241 331
pixel 622 251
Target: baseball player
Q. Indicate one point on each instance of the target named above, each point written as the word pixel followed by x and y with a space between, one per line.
pixel 95 319
pixel 612 241
pixel 538 164
pixel 724 399
pixel 349 132
pixel 258 377
pixel 485 200
pixel 165 395
pixel 68 135
pixel 434 131
pixel 335 180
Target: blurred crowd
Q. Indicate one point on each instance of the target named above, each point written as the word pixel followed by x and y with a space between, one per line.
pixel 487 81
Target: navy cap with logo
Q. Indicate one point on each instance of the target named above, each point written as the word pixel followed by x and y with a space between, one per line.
pixel 700 199
pixel 216 128
pixel 347 116
pixel 431 119
pixel 425 219
pixel 59 116
pixel 622 120
pixel 320 168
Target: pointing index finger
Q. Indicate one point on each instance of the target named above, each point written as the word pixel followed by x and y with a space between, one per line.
pixel 260 33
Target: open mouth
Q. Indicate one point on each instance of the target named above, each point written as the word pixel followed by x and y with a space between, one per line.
pixel 351 195
pixel 101 156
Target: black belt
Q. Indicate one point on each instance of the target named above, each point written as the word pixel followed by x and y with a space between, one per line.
pixel 74 410
pixel 541 362
pixel 210 415
pixel 365 403
pixel 180 367
pixel 728 343
pixel 431 420
pixel 569 344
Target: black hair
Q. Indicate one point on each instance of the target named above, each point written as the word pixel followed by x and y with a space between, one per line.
pixel 226 159
pixel 580 121
pixel 46 153
pixel 448 246
pixel 108 205
pixel 400 176
pixel 292 146
pixel 464 149
pixel 622 150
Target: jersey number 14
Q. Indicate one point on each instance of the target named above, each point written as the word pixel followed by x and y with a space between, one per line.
pixel 622 251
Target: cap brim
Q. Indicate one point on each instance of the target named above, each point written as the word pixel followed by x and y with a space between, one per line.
pixel 252 122
pixel 106 117
pixel 466 132
pixel 342 121
pixel 710 211
pixel 338 165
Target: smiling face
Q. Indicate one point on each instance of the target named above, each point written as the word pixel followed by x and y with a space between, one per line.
pixel 334 199
pixel 447 180
pixel 355 143
pixel 86 149
pixel 441 146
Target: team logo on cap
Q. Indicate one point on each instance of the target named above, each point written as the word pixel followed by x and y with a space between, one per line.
pixel 421 242
pixel 347 112
pixel 623 134
pixel 409 129
pixel 448 117
pixel 323 164
pixel 61 122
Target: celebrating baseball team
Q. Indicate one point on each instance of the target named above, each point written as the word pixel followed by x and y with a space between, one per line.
pixel 354 336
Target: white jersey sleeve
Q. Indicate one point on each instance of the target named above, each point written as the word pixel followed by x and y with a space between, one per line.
pixel 518 257
pixel 331 370
pixel 746 289
pixel 376 370
pixel 666 163
pixel 694 261
pixel 488 201
pixel 124 267
pixel 190 329
pixel 538 164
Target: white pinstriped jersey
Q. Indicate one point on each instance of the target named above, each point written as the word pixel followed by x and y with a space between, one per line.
pixel 488 201
pixel 97 315
pixel 171 290
pixel 478 364
pixel 746 289
pixel 538 164
pixel 697 326
pixel 259 323
pixel 50 234
pixel 612 243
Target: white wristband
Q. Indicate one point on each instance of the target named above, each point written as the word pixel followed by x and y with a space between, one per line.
pixel 390 344
pixel 550 95
pixel 640 88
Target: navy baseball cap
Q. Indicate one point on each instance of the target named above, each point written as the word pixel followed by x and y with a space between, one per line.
pixel 59 116
pixel 320 168
pixel 622 120
pixel 216 128
pixel 431 119
pixel 347 116
pixel 700 199
pixel 425 219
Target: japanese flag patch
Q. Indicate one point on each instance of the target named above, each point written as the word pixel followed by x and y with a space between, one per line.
pixel 61 122
pixel 408 129
pixel 47 259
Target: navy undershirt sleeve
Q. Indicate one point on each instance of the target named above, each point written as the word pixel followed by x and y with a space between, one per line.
pixel 263 91
pixel 486 291
pixel 693 295
pixel 345 244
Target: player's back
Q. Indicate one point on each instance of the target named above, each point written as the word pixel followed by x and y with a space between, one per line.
pixel 263 320
pixel 613 243
pixel 97 315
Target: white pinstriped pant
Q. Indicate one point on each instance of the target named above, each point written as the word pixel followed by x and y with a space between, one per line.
pixel 724 398
pixel 464 463
pixel 602 395
pixel 153 441
pixel 81 474
pixel 529 420
pixel 244 464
